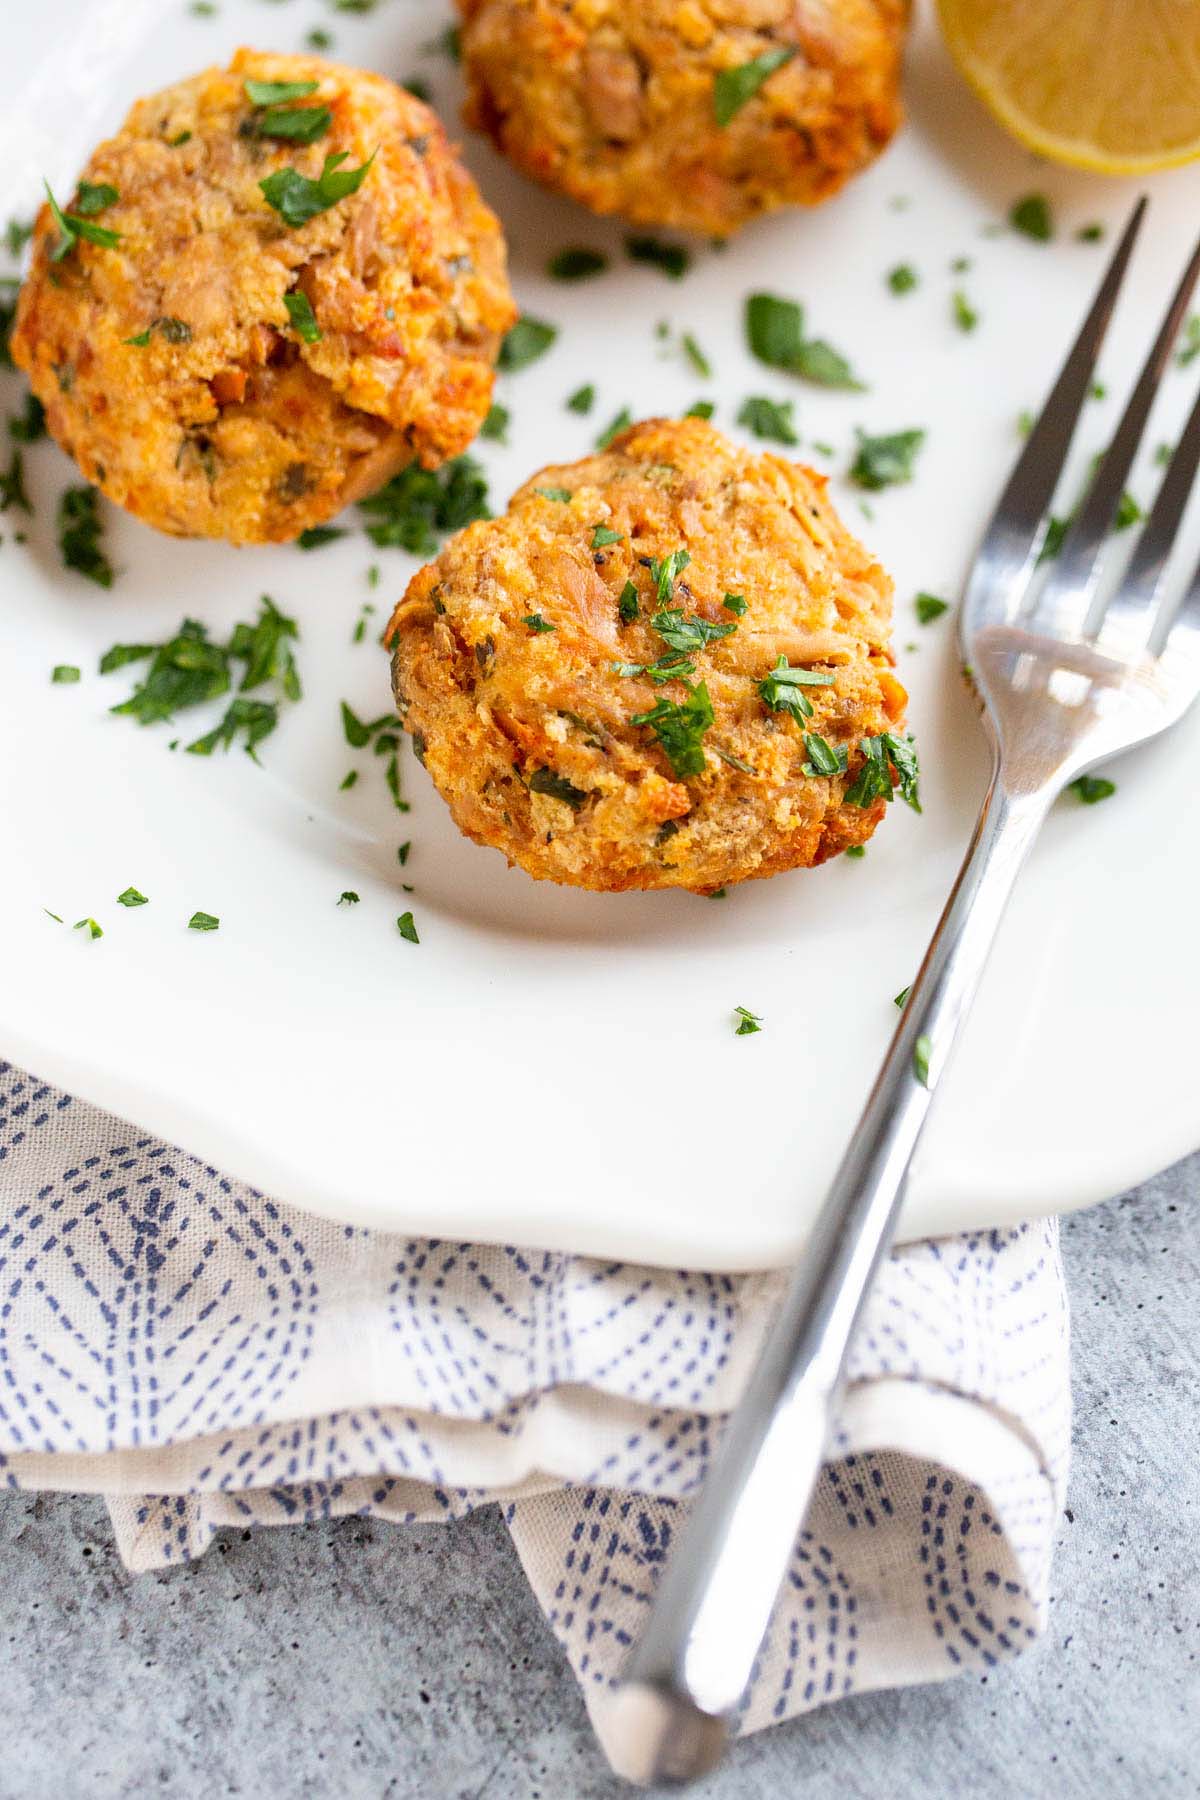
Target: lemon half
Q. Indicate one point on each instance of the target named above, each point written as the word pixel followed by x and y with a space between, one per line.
pixel 1110 85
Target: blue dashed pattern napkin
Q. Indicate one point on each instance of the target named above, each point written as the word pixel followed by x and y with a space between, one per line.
pixel 206 1357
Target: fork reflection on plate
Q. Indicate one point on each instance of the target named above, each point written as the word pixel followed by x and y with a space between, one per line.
pixel 1068 673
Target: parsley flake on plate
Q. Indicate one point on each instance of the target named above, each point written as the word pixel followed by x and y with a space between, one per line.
pixel 782 690
pixel 887 460
pixel 856 850
pixel 903 278
pixel 680 728
pixel 29 426
pixel 80 536
pixel 965 316
pixel 613 430
pixel 1092 788
pixel 203 921
pixel 304 320
pixel 576 263
pixel 874 779
pixel 921 1054
pixel 315 537
pixel 747 1022
pixel 402 853
pixel 902 996
pixel 929 608
pixel 297 198
pixel 1031 216
pixel 131 897
pixel 348 897
pixel 673 260
pixel 700 409
pixel 89 925
pixel 696 356
pixel 769 419
pixel 582 400
pixel 417 506
pixel 407 929
pixel 65 674
pixel 12 485
pixel 496 424
pixel 1090 234
pixel 348 781
pixel 73 226
pixel 775 333
pixel 734 87
pixel 528 339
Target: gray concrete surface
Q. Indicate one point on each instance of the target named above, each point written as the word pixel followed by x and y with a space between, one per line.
pixel 360 1660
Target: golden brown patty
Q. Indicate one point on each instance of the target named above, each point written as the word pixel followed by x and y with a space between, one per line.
pixel 504 667
pixel 225 422
pixel 617 102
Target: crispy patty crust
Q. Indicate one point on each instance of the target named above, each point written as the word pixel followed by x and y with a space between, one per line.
pixel 223 373
pixel 525 656
pixel 619 103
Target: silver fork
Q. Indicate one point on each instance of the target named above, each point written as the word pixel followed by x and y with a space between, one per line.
pixel 1067 677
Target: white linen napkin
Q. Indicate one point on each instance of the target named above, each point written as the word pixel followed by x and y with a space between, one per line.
pixel 206 1357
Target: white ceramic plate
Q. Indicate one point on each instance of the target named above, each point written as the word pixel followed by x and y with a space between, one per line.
pixel 553 1067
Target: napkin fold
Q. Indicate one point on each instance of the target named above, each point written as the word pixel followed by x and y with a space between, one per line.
pixel 207 1357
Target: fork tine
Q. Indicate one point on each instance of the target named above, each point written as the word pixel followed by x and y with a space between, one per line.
pixel 1066 599
pixel 1130 613
pixel 1008 553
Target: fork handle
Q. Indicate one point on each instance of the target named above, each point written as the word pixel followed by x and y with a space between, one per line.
pixel 714 1602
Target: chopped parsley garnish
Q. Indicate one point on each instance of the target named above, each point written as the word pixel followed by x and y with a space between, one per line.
pixel 348 781
pixel 359 732
pixel 17 234
pixel 314 537
pixel 406 928
pixel 348 897
pixel 672 259
pixel 855 850
pixel 687 633
pixel 418 87
pixel 202 921
pixel 175 331
pixel 902 996
pixel 680 728
pixel 12 485
pixel 360 624
pixel 402 854
pixel 700 409
pixel 9 287
pixel 627 604
pixel 418 505
pixel 275 93
pixel 557 787
pixel 734 87
pixel 65 674
pixel 696 356
pixel 929 608
pixel 769 419
pixel 73 226
pixel 885 461
pixel 90 926
pixel 319 39
pixel 79 536
pixel 1190 348
pixel 747 1022
pixel 528 339
pixel 734 603
pixel 921 1054
pixel 291 124
pixel 603 535
pixel 561 495
pixel 824 758
pixel 57 917
pixel 576 263
pixel 874 779
pixel 297 199
pixel 1091 788
pixel 783 689
pixel 775 332
pixel 1128 513
pixel 93 197
pixel 965 316
pixel 622 422
pixel 536 625
pixel 582 400
pixel 447 43
pixel 665 573
pixel 1090 234
pixel 304 321
pixel 1032 217
pixel 131 897
pixel 903 278
pixel 496 424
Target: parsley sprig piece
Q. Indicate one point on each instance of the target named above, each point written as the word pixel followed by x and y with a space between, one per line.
pixel 297 198
pixel 769 419
pixel 747 1022
pixel 874 779
pixel 80 535
pixel 275 118
pixel 734 87
pixel 680 728
pixel 672 259
pixel 783 689
pixel 1031 216
pixel 528 339
pixel 1092 788
pixel 204 921
pixel 576 263
pixel 687 632
pixel 665 573
pixel 929 607
pixel 775 333
pixel 419 505
pixel 131 897
pixel 302 317
pixel 73 226
pixel 885 461
pixel 190 669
